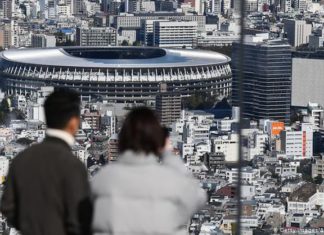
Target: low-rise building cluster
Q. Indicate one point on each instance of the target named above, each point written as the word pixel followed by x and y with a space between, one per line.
pixel 281 174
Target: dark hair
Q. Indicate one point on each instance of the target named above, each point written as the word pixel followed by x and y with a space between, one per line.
pixel 60 107
pixel 141 132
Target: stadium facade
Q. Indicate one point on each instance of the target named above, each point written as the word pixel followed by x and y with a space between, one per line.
pixel 117 74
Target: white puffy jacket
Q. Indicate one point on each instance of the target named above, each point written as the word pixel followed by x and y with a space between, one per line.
pixel 139 196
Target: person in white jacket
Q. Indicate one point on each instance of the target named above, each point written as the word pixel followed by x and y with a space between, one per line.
pixel 137 195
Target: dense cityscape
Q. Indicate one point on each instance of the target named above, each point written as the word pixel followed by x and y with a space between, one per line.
pixel 182 59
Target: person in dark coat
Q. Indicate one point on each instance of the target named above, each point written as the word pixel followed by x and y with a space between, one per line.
pixel 47 190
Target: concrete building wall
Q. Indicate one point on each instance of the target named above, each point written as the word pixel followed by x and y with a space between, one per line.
pixel 175 34
pixel 307 81
pixel 298 32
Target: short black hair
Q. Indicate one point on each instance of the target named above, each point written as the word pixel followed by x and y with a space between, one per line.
pixel 60 107
pixel 141 132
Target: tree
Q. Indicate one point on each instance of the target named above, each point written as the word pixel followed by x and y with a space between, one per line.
pixel 24 141
pixel 234 228
pixel 200 100
pixel 318 179
pixel 4 107
pixel 125 43
pixel 223 104
pixel 306 169
pixel 4 111
pixel 136 43
pixel 68 42
pixel 19 115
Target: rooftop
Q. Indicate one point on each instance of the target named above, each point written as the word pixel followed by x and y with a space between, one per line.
pixel 303 194
pixel 115 57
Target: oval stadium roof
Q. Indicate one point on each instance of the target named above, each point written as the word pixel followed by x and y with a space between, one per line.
pixel 114 57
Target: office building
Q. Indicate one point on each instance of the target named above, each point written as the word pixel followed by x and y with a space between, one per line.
pixel 315 114
pixel 141 6
pixel 297 32
pixel 7 7
pixel 254 143
pixel 43 40
pixel 167 106
pixel 266 86
pixel 101 20
pixel 92 119
pixel 318 167
pixel 195 133
pixel 113 150
pixel 169 5
pixel 214 161
pixel 249 175
pixel 228 145
pixel 135 20
pixel 63 10
pixel 316 41
pixel 77 7
pixel 300 5
pixel 250 6
pixel 285 6
pixel 108 123
pixel 176 34
pixel 148 32
pixel 115 7
pixel 96 36
pixel 298 144
pixel 307 76
pixel 5 36
pixel 216 7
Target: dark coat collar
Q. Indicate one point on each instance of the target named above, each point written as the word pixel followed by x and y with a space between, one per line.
pixel 57 141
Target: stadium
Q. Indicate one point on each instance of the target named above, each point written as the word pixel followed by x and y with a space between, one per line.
pixel 116 74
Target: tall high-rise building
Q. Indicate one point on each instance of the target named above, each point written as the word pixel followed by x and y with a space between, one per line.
pixel 7 7
pixel 167 106
pixel 266 84
pixel 298 32
pixel 5 35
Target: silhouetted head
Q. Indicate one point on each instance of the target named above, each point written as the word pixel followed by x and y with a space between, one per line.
pixel 141 132
pixel 62 110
